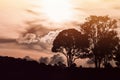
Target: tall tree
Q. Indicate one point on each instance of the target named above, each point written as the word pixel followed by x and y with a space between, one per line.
pixel 101 31
pixel 70 42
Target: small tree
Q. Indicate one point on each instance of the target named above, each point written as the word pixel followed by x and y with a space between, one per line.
pixel 44 60
pixel 70 42
pixel 56 59
pixel 101 31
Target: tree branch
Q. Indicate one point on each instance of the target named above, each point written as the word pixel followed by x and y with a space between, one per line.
pixel 75 59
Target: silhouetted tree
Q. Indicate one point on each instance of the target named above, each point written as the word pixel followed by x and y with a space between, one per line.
pixel 56 59
pixel 117 56
pixel 107 46
pixel 101 31
pixel 71 43
pixel 28 58
pixel 44 60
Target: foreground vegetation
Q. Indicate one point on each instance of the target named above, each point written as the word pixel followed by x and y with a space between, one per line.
pixel 22 69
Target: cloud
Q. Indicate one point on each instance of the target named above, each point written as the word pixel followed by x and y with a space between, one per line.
pixel 36 27
pixel 21 53
pixel 50 36
pixel 38 42
pixel 7 40
pixel 9 32
pixel 13 14
pixel 94 4
pixel 98 7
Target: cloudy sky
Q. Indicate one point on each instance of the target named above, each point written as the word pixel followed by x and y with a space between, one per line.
pixel 51 14
pixel 13 15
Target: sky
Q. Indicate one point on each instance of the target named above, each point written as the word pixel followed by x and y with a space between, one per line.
pixel 14 14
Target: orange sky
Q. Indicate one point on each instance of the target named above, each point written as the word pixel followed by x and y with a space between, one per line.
pixel 12 12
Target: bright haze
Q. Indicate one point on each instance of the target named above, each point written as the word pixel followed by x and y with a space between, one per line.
pixel 53 15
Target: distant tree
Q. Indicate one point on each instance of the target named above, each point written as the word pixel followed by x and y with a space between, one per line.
pixel 56 59
pixel 28 58
pixel 71 43
pixel 103 36
pixel 44 60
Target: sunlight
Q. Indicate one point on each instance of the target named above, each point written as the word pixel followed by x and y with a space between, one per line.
pixel 57 10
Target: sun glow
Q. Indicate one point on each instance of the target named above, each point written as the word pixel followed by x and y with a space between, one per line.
pixel 57 10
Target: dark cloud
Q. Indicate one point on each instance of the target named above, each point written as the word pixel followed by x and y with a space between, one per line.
pixel 36 27
pixel 7 40
pixel 32 12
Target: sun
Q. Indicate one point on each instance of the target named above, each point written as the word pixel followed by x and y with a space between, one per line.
pixel 57 10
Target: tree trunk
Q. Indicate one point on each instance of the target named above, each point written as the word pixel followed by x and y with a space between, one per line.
pixel 68 64
pixel 105 62
pixel 96 62
pixel 69 58
pixel 99 62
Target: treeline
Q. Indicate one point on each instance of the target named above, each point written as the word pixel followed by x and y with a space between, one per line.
pixel 22 69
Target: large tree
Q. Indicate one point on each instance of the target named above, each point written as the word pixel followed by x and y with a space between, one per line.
pixel 102 32
pixel 71 43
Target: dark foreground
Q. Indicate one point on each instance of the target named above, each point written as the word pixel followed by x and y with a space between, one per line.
pixel 19 69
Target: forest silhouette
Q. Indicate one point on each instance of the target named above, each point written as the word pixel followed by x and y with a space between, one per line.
pixel 23 69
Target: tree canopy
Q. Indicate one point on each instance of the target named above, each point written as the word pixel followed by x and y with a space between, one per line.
pixel 71 43
pixel 102 32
